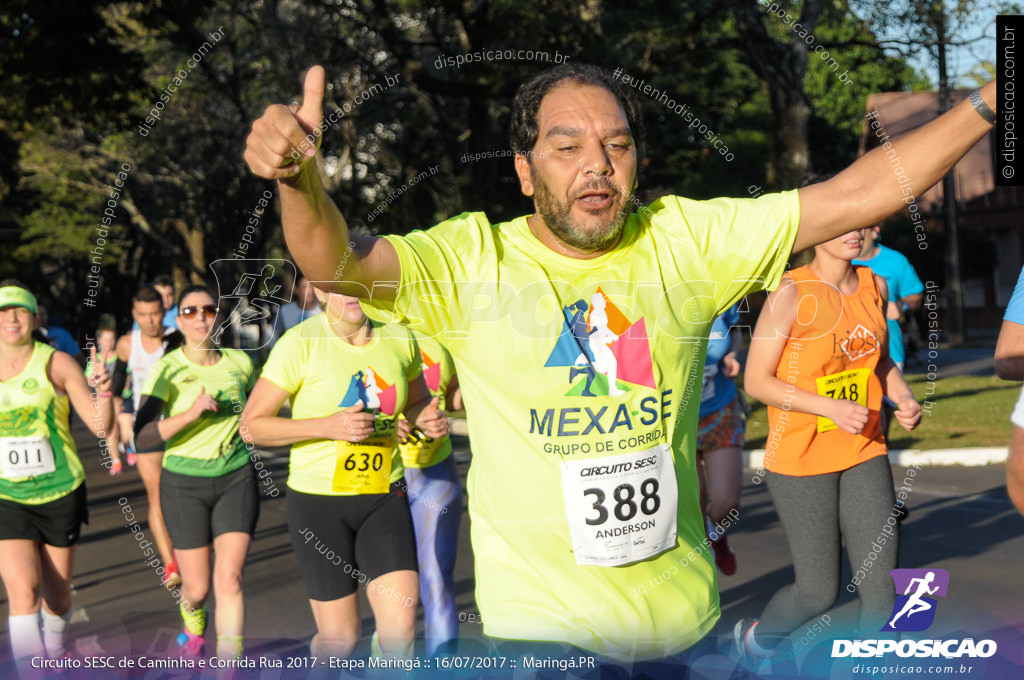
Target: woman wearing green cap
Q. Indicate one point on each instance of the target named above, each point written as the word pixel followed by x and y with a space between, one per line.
pixel 42 483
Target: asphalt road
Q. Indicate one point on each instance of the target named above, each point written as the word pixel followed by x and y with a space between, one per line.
pixel 961 521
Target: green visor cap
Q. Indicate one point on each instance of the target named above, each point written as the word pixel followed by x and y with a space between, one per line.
pixel 15 296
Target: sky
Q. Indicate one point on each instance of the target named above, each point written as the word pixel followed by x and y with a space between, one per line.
pixel 960 60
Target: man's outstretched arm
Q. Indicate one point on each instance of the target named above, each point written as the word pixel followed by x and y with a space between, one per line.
pixel 868 191
pixel 314 229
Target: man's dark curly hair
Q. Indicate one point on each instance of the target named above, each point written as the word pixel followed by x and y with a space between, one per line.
pixel 527 101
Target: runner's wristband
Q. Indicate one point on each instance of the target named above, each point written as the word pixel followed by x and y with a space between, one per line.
pixel 982 108
pixel 104 395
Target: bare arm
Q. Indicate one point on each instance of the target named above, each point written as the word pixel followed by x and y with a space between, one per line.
pixel 66 376
pixel 1010 351
pixel 124 351
pixel 453 395
pixel 317 235
pixel 266 428
pixel 124 347
pixel 1015 469
pixel 423 411
pixel 770 335
pixel 908 411
pixel 730 363
pixel 912 301
pixel 868 191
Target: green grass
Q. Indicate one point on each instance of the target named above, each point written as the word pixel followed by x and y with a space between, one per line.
pixel 965 411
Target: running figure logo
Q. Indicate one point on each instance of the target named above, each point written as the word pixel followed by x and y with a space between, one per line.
pixel 600 344
pixel 368 387
pixel 914 609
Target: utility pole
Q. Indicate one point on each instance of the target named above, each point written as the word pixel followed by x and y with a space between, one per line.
pixel 954 287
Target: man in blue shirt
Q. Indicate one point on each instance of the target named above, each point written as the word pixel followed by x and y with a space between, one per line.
pixel 905 289
pixel 58 337
pixel 1010 366
pixel 720 435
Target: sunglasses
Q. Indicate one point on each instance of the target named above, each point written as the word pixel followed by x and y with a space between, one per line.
pixel 209 311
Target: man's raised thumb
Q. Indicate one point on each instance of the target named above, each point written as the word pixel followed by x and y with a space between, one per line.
pixel 312 110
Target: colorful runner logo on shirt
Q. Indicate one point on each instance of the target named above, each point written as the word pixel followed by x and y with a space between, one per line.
pixel 914 610
pixel 431 371
pixel 368 387
pixel 602 345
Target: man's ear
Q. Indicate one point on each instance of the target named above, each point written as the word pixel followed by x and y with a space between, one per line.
pixel 523 171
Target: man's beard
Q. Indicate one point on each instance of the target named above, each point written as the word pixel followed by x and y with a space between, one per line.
pixel 557 217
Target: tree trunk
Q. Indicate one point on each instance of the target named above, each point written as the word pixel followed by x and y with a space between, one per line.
pixel 781 66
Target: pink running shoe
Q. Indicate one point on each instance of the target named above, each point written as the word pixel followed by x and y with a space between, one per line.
pixel 191 645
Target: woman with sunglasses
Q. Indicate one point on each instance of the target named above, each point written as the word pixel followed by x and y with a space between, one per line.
pixel 348 378
pixel 42 482
pixel 190 405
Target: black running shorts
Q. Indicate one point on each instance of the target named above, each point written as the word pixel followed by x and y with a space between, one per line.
pixel 198 509
pixel 57 523
pixel 344 541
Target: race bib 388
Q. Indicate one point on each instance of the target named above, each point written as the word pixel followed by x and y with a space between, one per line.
pixel 621 509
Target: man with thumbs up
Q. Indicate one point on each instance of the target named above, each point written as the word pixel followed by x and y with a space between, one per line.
pixel 577 499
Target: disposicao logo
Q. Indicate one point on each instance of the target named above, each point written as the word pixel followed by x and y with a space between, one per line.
pixel 916 590
pixel 915 608
pixel 602 345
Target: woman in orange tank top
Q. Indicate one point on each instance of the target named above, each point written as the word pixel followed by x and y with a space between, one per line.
pixel 819 360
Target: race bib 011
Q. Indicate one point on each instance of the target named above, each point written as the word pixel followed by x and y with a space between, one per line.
pixel 622 508
pixel 25 457
pixel 852 385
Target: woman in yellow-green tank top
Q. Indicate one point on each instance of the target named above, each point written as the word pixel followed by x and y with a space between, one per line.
pixel 42 482
pixel 190 405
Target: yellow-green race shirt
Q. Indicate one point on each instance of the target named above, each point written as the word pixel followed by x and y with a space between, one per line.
pixel 210 446
pixel 583 382
pixel 324 374
pixel 39 462
pixel 438 370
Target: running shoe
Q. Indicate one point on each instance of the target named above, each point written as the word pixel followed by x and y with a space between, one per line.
pixel 743 637
pixel 725 558
pixel 191 645
pixel 131 457
pixel 115 468
pixel 375 650
pixel 171 578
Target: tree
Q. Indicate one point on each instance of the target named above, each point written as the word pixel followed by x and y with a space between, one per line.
pixel 397 159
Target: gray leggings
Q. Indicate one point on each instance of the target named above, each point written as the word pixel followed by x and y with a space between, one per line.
pixel 813 510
